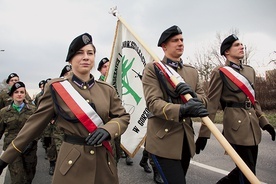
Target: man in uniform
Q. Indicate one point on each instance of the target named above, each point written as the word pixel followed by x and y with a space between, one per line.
pixel 243 116
pixel 170 134
pixel 5 99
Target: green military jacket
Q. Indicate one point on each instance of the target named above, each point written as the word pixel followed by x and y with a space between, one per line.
pixel 12 121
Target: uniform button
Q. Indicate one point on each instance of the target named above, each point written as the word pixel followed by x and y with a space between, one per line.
pixel 70 162
pixel 249 113
pixel 84 87
pixel 108 163
pixel 116 134
pixel 87 100
pixel 166 130
pixel 184 120
pixel 239 121
pixel 92 152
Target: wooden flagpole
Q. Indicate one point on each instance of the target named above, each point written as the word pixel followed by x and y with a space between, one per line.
pixel 206 120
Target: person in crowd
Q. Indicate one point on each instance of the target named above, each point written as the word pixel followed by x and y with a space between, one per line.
pixel 242 113
pixel 170 134
pixel 89 112
pixel 12 119
pixel 5 99
pixel 41 87
pixel 116 145
pixel 103 68
pixel 65 71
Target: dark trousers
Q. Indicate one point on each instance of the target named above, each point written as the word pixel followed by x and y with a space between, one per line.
pixel 174 171
pixel 249 155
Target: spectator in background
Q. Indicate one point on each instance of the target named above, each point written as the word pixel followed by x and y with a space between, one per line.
pixel 5 99
pixel 12 119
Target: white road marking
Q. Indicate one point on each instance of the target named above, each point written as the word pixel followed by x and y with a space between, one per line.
pixel 214 169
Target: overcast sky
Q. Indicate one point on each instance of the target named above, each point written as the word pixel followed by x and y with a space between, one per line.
pixel 36 34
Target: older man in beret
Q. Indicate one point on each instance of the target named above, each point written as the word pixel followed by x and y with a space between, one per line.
pixel 243 116
pixel 170 134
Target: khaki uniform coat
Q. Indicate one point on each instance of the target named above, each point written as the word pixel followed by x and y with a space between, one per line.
pixel 241 126
pixel 77 163
pixel 165 131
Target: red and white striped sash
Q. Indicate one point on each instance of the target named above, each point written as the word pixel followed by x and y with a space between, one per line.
pixel 240 81
pixel 81 109
pixel 168 73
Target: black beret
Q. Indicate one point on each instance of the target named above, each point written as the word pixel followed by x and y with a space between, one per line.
pixel 65 69
pixel 77 44
pixel 15 86
pixel 168 33
pixel 11 76
pixel 47 80
pixel 41 82
pixel 102 62
pixel 227 43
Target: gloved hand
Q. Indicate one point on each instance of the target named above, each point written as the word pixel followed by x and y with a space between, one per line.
pixel 184 88
pixel 2 166
pixel 193 108
pixel 200 144
pixel 97 137
pixel 270 130
pixel 29 147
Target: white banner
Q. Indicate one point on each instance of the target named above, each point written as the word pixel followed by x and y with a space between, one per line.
pixel 128 59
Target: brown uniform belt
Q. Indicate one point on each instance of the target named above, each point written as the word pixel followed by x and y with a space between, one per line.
pixel 246 105
pixel 74 139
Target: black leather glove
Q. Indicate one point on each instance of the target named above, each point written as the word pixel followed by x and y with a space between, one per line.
pixel 29 147
pixel 184 88
pixel 270 130
pixel 200 144
pixel 97 137
pixel 193 108
pixel 2 166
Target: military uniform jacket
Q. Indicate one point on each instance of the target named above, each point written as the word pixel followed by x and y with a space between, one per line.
pixel 240 126
pixel 77 163
pixel 165 130
pixel 12 121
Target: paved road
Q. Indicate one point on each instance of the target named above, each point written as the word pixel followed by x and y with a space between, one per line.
pixel 206 168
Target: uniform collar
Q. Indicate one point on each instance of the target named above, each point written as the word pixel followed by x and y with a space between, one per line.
pixel 81 84
pixel 234 65
pixel 174 64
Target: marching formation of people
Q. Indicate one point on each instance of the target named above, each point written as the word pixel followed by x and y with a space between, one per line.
pixel 80 119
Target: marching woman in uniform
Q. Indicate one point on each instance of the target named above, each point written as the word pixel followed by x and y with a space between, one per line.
pixel 90 113
pixel 12 119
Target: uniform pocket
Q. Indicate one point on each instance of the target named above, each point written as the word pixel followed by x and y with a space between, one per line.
pixel 69 161
pixel 164 129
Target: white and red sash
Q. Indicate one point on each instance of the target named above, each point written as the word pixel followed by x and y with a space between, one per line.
pixel 168 73
pixel 80 108
pixel 240 81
